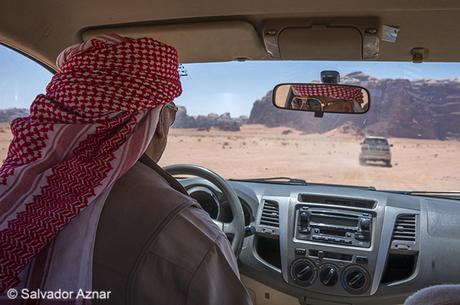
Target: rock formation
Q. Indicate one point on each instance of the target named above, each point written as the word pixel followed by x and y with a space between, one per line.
pixel 428 109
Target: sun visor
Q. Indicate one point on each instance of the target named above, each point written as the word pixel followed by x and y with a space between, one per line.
pixel 215 41
pixel 323 39
pixel 319 43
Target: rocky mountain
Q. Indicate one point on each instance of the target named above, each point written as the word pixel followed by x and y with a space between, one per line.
pixel 428 109
pixel 183 120
pixel 222 122
pixel 7 115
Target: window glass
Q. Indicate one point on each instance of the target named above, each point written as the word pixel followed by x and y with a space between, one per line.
pixel 376 141
pixel 227 123
pixel 21 79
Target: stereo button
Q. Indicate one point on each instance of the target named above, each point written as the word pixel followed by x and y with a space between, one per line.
pixel 300 251
pixel 361 260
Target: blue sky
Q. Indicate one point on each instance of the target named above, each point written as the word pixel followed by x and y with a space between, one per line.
pixel 218 87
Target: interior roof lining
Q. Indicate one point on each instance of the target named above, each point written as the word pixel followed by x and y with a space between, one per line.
pixel 431 23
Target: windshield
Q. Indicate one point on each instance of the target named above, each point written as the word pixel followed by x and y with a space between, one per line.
pixel 227 123
pixel 375 142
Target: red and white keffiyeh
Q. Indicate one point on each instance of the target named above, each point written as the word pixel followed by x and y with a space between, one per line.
pixel 96 119
pixel 329 90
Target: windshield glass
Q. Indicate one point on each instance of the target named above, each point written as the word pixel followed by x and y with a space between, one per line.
pixel 227 123
pixel 371 141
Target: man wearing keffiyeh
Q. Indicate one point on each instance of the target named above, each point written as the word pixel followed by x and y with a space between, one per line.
pixel 77 211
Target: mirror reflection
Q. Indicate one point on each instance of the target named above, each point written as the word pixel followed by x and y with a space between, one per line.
pixel 322 98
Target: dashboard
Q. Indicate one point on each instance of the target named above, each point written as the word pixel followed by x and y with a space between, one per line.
pixel 342 245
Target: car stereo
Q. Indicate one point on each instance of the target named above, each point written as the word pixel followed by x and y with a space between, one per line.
pixel 349 228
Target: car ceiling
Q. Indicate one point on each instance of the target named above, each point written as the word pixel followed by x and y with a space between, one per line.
pixel 43 28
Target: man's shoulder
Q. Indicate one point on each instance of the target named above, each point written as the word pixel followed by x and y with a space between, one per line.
pixel 142 176
pixel 177 259
pixel 139 206
pixel 144 210
pixel 162 239
pixel 146 191
pixel 187 239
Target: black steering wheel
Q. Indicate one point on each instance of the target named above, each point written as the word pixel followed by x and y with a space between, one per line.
pixel 234 228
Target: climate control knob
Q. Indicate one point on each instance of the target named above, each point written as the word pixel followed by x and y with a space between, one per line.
pixel 328 275
pixel 355 279
pixel 303 272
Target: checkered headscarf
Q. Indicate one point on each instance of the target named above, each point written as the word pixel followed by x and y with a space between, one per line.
pixel 330 90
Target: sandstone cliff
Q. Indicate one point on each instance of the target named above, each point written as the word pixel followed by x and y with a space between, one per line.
pixel 428 109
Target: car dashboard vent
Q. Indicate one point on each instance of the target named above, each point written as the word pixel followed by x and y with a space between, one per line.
pixel 338 201
pixel 402 257
pixel 270 214
pixel 405 229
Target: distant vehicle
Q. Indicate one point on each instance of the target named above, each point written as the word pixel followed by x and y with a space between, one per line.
pixel 375 149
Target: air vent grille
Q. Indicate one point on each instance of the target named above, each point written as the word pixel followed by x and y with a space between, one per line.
pixel 339 201
pixel 405 228
pixel 270 214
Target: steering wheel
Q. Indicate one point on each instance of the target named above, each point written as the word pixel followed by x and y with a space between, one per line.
pixel 234 228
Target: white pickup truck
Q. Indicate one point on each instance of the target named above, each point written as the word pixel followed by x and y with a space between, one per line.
pixel 375 149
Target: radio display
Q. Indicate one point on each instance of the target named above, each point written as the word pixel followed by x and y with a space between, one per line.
pixel 327 220
pixel 332 232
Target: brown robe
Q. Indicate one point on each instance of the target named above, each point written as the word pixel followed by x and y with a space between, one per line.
pixel 155 245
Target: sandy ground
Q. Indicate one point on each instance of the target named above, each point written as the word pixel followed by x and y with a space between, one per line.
pixel 5 138
pixel 257 151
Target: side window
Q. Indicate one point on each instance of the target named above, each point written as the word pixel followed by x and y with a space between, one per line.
pixel 21 80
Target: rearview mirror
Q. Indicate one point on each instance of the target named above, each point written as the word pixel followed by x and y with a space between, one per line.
pixel 322 98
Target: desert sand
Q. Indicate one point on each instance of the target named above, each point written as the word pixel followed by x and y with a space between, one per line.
pixel 257 151
pixel 5 138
